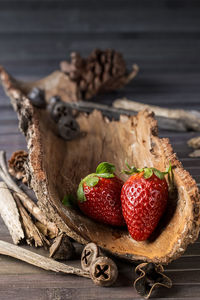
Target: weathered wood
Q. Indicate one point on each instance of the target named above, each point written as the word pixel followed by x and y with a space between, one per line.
pixel 195 153
pixel 181 119
pixel 194 142
pixel 38 260
pixel 114 113
pixel 140 134
pixel 33 235
pixel 10 214
pixel 27 202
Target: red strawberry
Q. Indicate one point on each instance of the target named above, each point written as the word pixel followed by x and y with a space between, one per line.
pixel 99 195
pixel 144 197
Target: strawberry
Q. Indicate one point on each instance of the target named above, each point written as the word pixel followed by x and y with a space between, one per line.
pixel 99 195
pixel 144 198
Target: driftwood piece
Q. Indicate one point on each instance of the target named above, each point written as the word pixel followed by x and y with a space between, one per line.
pixel 32 233
pixel 27 202
pixel 56 167
pixel 10 214
pixel 194 142
pixel 195 153
pixel 39 260
pixel 175 119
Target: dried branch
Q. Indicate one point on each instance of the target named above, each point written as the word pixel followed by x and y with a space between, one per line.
pixel 27 202
pixel 31 231
pixel 188 120
pixel 10 214
pixel 39 260
pixel 177 119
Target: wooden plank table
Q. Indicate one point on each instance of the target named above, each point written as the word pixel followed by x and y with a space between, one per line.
pixel 163 38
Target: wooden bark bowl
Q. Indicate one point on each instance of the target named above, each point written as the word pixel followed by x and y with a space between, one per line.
pixel 56 167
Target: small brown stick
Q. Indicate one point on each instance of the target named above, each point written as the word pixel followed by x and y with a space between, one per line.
pixel 184 120
pixel 132 74
pixel 27 202
pixel 39 260
pixel 31 231
pixel 178 120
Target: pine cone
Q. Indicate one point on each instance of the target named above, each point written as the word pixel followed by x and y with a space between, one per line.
pixel 16 165
pixel 101 71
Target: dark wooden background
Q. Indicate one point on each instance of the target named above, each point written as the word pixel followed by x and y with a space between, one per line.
pixel 163 38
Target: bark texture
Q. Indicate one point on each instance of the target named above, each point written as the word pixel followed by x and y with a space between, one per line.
pixel 56 167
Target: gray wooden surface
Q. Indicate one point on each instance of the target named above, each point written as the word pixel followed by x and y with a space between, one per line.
pixel 163 38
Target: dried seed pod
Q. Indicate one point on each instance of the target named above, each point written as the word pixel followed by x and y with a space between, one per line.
pixel 108 65
pixel 74 75
pixel 59 110
pixel 62 248
pixel 76 59
pixel 37 97
pixel 68 128
pixel 16 165
pixel 150 277
pixel 65 66
pixel 83 85
pixel 97 83
pixel 89 254
pixel 103 271
pixel 51 103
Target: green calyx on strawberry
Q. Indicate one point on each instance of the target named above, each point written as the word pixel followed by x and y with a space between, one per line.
pixel 104 170
pixel 69 200
pixel 148 172
pixel 99 195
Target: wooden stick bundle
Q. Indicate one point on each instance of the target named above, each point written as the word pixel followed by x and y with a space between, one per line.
pixel 16 196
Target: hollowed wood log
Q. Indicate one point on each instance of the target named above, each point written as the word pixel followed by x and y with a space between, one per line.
pixel 56 167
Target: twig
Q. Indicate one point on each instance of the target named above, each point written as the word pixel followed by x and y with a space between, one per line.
pixel 186 120
pixel 10 214
pixel 132 74
pixel 27 202
pixel 39 260
pixel 31 231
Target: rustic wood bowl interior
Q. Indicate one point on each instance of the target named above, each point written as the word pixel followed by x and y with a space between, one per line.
pixel 57 166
